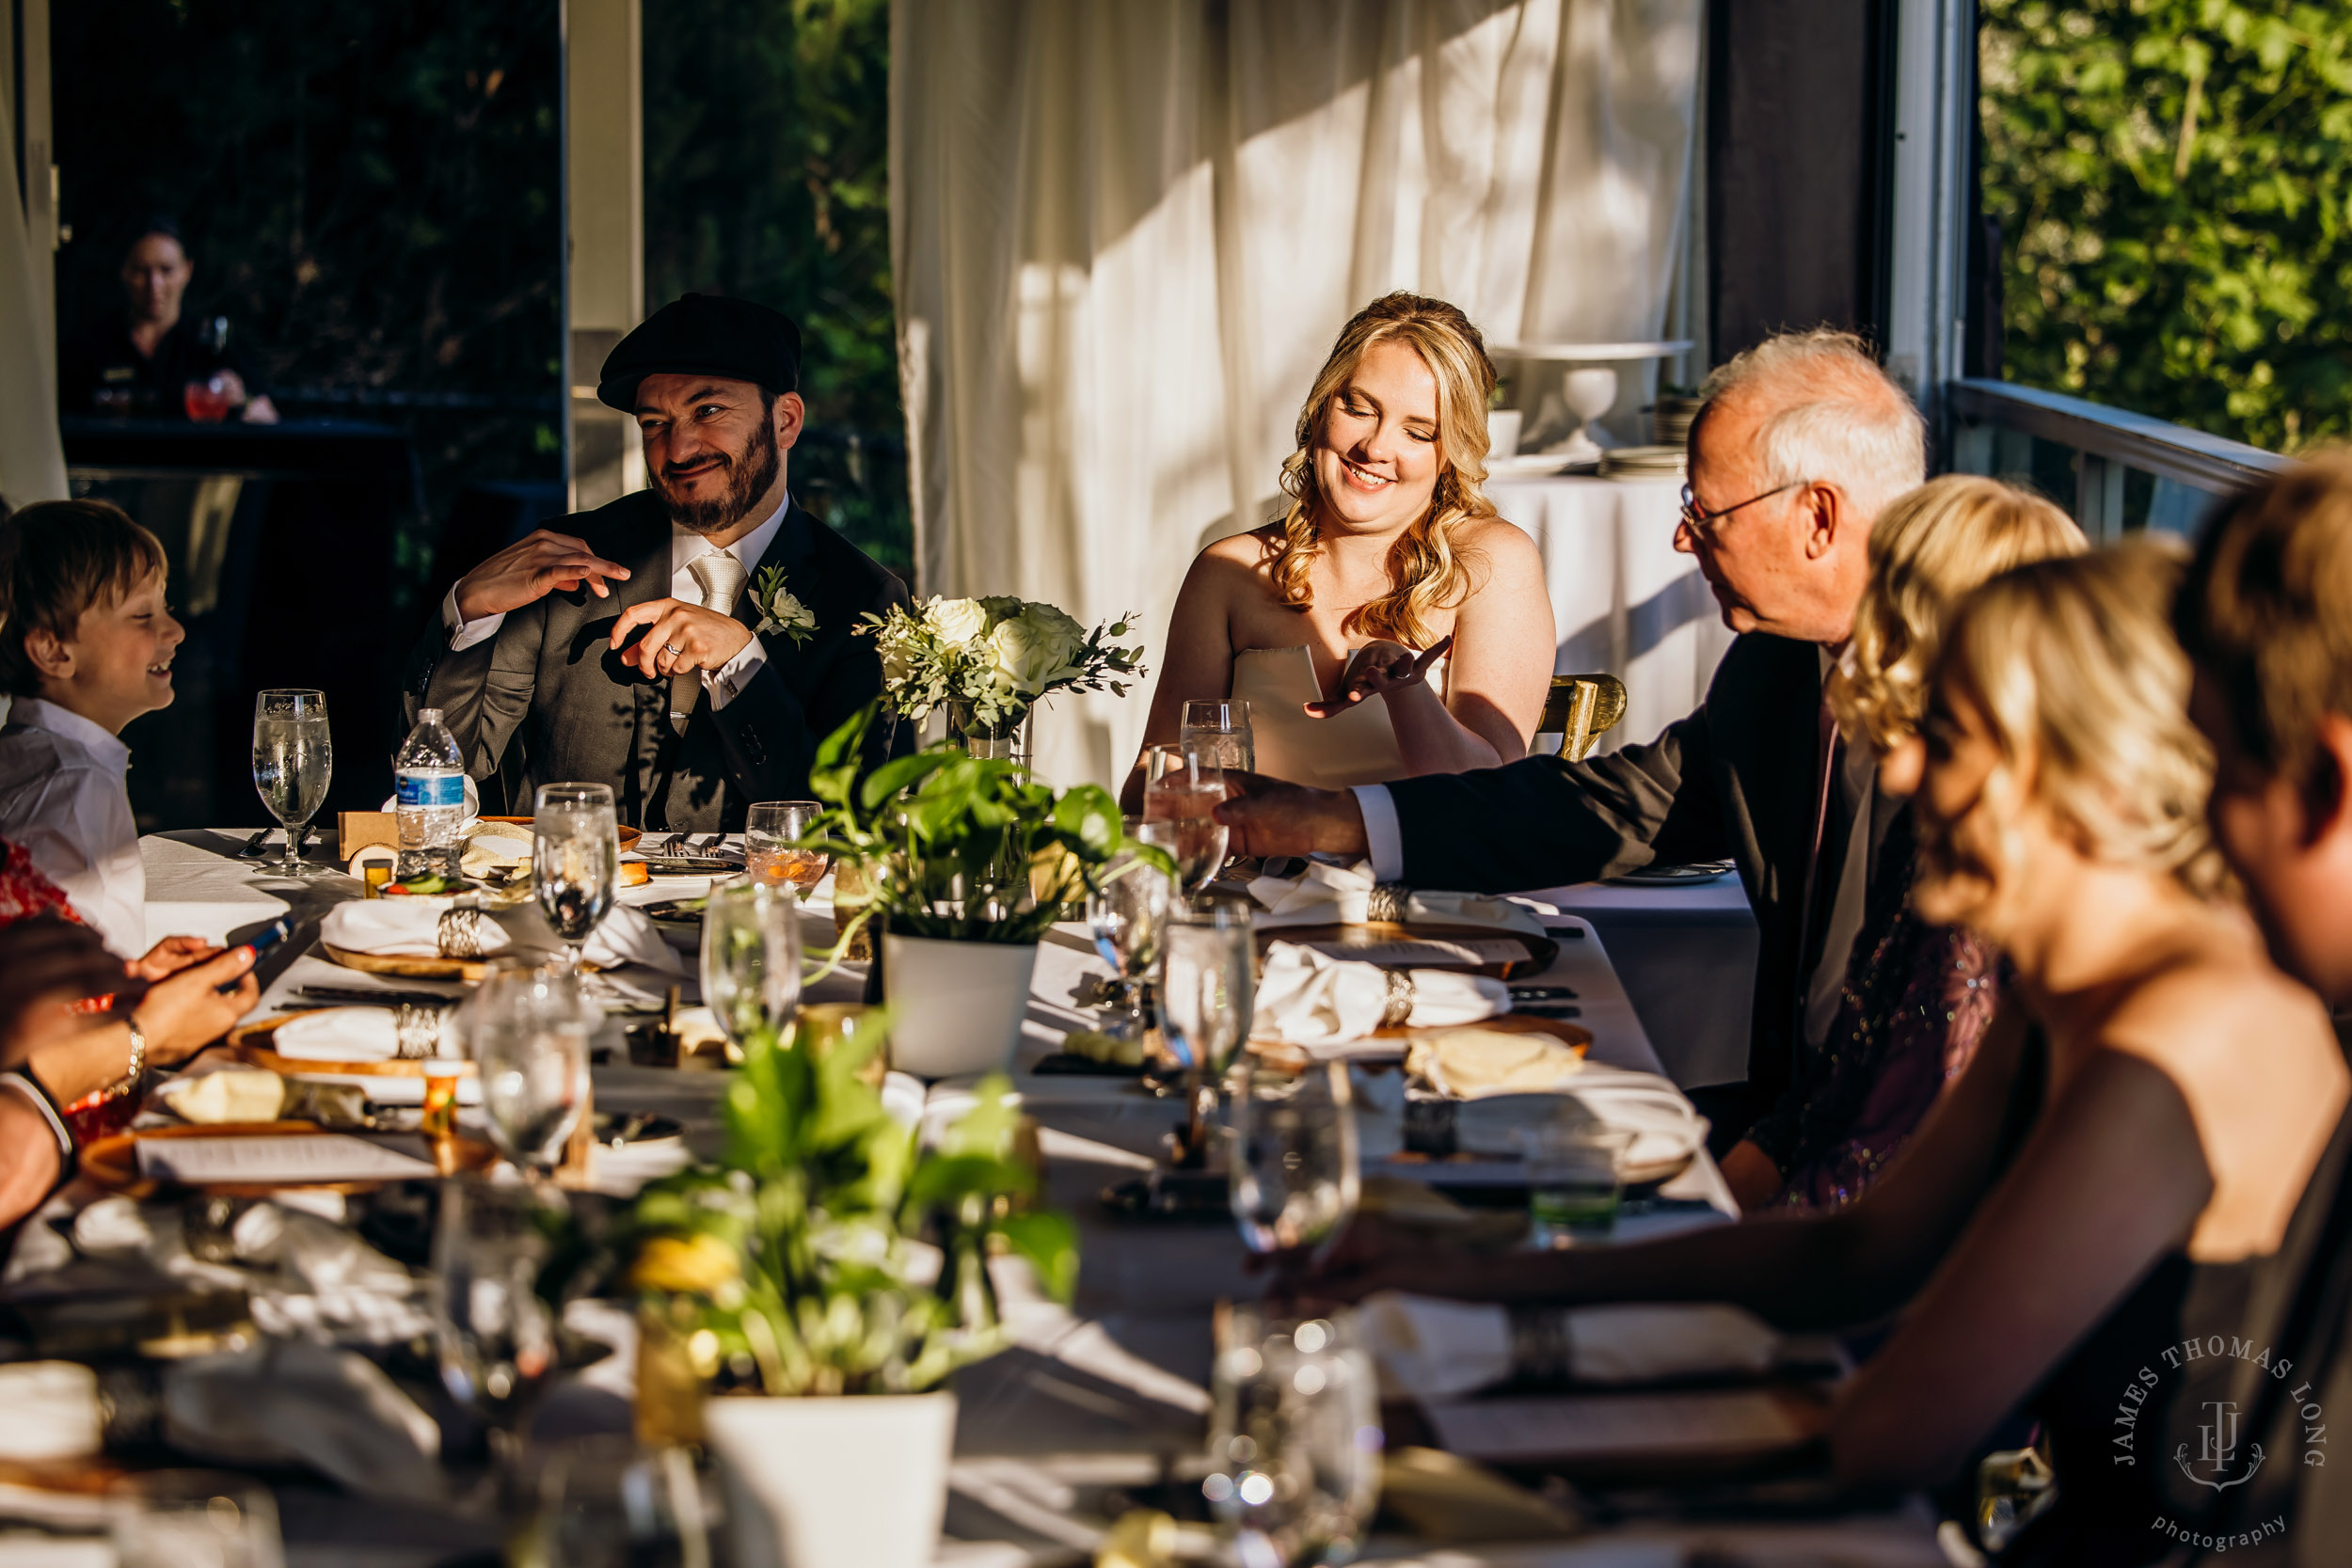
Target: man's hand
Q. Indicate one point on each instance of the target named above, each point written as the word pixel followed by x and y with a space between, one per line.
pixel 529 570
pixel 46 965
pixel 680 636
pixel 1377 669
pixel 1270 818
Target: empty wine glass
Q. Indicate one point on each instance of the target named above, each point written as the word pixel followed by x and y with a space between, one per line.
pixel 772 830
pixel 1220 732
pixel 1293 1173
pixel 193 1519
pixel 575 860
pixel 1296 1441
pixel 750 958
pixel 493 1332
pixel 1183 784
pixel 1127 911
pixel 293 758
pixel 1208 991
pixel 608 1502
pixel 530 1029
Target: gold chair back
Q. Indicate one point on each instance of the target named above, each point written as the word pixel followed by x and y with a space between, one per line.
pixel 1581 709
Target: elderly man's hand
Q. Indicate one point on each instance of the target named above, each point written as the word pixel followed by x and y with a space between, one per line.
pixel 530 569
pixel 678 637
pixel 1270 818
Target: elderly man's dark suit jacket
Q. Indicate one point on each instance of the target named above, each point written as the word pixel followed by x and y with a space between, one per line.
pixel 1736 779
pixel 548 699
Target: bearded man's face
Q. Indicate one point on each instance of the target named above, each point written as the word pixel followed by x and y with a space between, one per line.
pixel 710 448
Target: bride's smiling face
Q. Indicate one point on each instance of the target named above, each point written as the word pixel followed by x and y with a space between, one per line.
pixel 1376 457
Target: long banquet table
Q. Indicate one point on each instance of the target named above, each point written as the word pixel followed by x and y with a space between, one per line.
pixel 1111 1392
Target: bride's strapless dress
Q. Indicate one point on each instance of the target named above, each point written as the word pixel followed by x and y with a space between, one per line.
pixel 1355 747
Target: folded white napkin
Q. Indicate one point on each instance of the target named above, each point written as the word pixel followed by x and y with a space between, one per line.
pixel 1439 1349
pixel 1310 998
pixel 399 927
pixel 352 1035
pixel 1664 1125
pixel 292 1401
pixel 52 1412
pixel 1340 895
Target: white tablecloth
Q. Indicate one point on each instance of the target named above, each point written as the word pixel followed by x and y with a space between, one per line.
pixel 1688 958
pixel 1624 602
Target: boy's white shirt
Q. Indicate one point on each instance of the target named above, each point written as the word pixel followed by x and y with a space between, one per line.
pixel 63 797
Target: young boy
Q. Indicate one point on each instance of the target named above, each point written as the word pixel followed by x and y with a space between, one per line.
pixel 85 646
pixel 2265 614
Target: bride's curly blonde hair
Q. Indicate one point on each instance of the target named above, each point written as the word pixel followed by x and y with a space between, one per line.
pixel 1427 569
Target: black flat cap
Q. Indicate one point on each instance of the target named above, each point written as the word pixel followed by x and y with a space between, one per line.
pixel 703 334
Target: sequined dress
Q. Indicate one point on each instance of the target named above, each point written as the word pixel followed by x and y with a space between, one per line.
pixel 1915 1002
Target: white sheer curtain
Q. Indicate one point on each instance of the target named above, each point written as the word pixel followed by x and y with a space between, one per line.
pixel 1124 236
pixel 32 458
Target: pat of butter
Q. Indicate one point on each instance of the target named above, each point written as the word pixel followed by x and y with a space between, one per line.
pixel 231 1094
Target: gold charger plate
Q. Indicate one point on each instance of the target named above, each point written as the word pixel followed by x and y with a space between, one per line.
pixel 250 1043
pixel 1574 1035
pixel 404 967
pixel 113 1162
pixel 1541 951
pixel 629 835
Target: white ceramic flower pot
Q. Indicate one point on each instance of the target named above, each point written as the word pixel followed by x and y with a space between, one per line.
pixel 955 1006
pixel 857 1482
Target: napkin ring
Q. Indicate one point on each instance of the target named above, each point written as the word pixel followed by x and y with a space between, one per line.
pixel 1399 1005
pixel 1539 1344
pixel 418 1030
pixel 459 933
pixel 1387 901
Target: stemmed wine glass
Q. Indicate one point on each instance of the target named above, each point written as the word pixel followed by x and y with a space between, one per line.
pixel 750 958
pixel 293 757
pixel 494 1334
pixel 1296 1440
pixel 575 860
pixel 1220 731
pixel 1293 1171
pixel 1183 784
pixel 530 1030
pixel 1127 912
pixel 1208 990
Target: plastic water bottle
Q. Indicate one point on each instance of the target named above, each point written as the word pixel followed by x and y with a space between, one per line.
pixel 430 798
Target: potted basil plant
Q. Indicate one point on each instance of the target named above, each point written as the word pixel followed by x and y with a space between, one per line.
pixel 819 1285
pixel 968 859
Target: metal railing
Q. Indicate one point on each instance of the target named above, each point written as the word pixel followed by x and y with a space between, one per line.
pixel 2120 471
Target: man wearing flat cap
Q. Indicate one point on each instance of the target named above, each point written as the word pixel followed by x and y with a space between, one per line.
pixel 689 644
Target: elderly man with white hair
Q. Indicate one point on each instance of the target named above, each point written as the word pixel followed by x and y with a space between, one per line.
pixel 1802 441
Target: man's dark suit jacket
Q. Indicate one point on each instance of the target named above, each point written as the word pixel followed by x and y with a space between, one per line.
pixel 548 698
pixel 1736 779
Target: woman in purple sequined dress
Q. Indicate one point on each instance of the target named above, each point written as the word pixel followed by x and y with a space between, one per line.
pixel 1916 996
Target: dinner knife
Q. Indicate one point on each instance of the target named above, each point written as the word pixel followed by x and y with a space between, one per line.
pixel 252 850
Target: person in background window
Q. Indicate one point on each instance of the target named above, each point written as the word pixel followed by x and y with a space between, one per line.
pixel 151 361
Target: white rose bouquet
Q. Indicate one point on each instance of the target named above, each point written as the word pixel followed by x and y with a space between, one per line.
pixel 999 656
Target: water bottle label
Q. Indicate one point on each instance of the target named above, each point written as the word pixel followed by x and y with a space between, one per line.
pixel 432 789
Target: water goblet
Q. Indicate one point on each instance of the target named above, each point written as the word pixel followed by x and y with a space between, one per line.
pixel 1208 992
pixel 772 853
pixel 293 759
pixel 1296 1441
pixel 530 1027
pixel 608 1502
pixel 750 958
pixel 494 1334
pixel 1183 784
pixel 1127 913
pixel 1220 731
pixel 575 860
pixel 1294 1172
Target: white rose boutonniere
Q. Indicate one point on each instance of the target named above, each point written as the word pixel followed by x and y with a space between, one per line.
pixel 779 610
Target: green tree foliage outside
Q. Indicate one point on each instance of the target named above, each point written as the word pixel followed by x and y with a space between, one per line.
pixel 2173 179
pixel 768 177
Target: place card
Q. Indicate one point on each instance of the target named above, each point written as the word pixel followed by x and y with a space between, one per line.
pixel 289 1159
pixel 1569 1427
pixel 1428 952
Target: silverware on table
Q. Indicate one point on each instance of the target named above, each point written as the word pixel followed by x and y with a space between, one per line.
pixel 252 850
pixel 355 996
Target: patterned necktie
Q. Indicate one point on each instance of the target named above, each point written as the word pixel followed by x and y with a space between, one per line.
pixel 719 576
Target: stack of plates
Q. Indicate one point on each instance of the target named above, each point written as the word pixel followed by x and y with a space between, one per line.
pixel 1642 463
pixel 1670 420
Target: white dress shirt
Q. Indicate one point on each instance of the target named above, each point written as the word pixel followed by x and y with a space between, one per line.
pixel 723 683
pixel 62 797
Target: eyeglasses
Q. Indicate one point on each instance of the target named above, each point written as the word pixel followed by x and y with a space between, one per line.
pixel 1693 517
